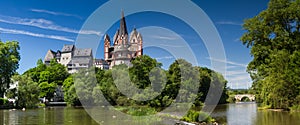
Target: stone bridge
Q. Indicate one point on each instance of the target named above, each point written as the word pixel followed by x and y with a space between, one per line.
pixel 239 97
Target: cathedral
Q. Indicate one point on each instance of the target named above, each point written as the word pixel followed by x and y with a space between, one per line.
pixel 123 47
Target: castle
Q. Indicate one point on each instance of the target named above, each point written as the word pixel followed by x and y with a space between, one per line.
pixel 121 50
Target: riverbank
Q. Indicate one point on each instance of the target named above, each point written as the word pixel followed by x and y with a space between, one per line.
pixel 227 114
pixel 178 120
pixel 291 109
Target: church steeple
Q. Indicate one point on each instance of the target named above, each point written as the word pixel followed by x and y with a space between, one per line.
pixel 123 27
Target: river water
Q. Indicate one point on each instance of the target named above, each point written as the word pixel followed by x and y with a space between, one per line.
pixel 230 114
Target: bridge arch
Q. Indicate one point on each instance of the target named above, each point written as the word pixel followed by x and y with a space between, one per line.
pixel 239 97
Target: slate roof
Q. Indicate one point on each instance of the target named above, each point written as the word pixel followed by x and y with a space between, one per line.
pixel 79 60
pixel 106 37
pixel 58 54
pixel 68 48
pixel 50 55
pixel 123 27
pixel 82 52
pixel 133 34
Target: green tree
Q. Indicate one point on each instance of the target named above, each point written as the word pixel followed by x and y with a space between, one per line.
pixel 141 67
pixel 27 92
pixel 9 63
pixel 108 88
pixel 47 90
pixel 210 79
pixel 84 82
pixel 274 39
pixel 58 72
pixel 70 95
pixel 182 78
pixel 35 72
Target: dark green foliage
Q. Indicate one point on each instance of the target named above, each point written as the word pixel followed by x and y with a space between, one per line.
pixel 48 77
pixel 196 116
pixel 9 63
pixel 274 38
pixel 98 87
pixel 137 111
pixel 84 82
pixel 180 74
pixel 3 101
pixel 210 79
pixel 27 92
pixel 47 90
pixel 140 70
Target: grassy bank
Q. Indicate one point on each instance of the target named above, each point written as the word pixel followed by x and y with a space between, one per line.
pixel 192 116
pixel 295 108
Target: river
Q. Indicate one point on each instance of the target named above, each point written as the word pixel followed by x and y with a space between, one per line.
pixel 230 114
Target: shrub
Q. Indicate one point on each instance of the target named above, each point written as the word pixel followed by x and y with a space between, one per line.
pixel 295 108
pixel 3 101
pixel 195 116
pixel 137 110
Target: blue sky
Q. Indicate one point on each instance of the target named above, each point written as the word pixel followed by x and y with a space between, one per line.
pixel 49 24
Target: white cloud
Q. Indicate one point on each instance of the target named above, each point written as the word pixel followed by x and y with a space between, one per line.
pixel 237 72
pixel 237 40
pixel 55 13
pixel 240 81
pixel 165 57
pixel 227 62
pixel 14 31
pixel 173 46
pixel 44 24
pixel 161 37
pixel 241 77
pixel 229 23
pixel 232 67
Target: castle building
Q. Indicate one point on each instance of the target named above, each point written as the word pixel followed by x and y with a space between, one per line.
pixel 123 48
pixel 71 57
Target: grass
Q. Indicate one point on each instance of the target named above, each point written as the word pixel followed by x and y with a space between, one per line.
pixel 137 110
pixel 295 108
pixel 266 107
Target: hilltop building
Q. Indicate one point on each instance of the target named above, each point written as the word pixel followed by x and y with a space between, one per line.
pixel 71 57
pixel 123 48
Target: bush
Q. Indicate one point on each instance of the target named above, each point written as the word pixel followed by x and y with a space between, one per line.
pixel 3 101
pixel 195 116
pixel 295 108
pixel 137 110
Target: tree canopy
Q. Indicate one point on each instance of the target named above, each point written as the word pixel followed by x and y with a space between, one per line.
pixel 9 63
pixel 149 84
pixel 274 38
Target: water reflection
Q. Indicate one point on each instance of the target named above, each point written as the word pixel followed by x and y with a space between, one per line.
pixel 247 114
pixel 57 115
pixel 230 114
pixel 243 113
pixel 278 118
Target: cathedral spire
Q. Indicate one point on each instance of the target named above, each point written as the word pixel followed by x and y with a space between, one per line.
pixel 123 27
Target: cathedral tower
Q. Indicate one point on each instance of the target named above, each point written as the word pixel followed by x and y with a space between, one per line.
pixel 125 47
